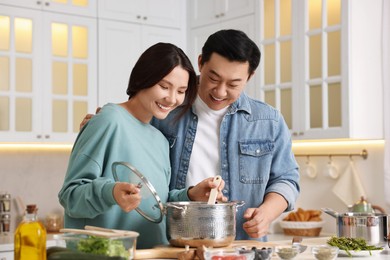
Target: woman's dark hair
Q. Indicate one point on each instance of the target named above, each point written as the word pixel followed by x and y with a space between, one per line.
pixel 234 45
pixel 157 62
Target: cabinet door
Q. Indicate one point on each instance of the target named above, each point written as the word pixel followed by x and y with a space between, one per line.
pixel 74 7
pixel 206 12
pixel 20 74
pixel 277 73
pixel 119 49
pixel 69 74
pixel 168 13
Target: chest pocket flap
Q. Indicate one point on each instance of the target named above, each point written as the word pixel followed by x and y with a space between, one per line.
pixel 256 147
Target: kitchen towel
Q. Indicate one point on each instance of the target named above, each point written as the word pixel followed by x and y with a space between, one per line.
pixel 349 187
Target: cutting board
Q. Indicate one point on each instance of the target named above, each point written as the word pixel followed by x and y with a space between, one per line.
pixel 170 252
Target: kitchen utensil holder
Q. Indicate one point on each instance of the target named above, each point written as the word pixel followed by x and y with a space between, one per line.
pixel 363 154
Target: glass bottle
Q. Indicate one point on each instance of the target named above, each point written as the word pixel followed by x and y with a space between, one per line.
pixel 30 237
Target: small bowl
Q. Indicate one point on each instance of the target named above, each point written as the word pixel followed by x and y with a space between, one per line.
pixel 325 252
pixel 229 253
pixel 286 252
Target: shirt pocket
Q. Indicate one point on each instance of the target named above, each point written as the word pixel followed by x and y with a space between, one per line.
pixel 255 157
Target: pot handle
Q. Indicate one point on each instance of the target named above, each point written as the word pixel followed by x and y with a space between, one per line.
pixel 331 212
pixel 378 208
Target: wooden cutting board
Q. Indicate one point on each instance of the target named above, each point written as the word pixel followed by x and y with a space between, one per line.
pixel 170 252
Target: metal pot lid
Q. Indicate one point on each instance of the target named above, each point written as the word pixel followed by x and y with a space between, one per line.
pixel 150 207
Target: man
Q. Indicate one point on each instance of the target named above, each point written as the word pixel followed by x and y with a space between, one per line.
pixel 244 140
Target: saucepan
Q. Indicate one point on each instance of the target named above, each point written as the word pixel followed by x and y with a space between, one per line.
pixel 373 227
pixel 189 222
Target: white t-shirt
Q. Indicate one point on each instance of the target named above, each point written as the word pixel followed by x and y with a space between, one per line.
pixel 205 156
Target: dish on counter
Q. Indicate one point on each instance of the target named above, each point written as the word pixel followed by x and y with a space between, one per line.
pixel 360 252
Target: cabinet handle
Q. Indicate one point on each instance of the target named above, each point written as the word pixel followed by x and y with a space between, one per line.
pixel 295 134
pixel 301 133
pixel 138 17
pixel 222 14
pixel 39 136
pixel 47 3
pixel 217 16
pixel 145 18
pixel 47 136
pixel 39 2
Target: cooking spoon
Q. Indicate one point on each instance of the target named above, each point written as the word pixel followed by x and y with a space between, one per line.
pixel 214 191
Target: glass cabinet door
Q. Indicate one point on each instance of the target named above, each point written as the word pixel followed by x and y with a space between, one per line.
pixel 323 68
pixel 70 63
pixel 277 56
pixel 301 55
pixel 18 70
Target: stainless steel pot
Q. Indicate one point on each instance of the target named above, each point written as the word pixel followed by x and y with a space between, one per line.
pixel 198 223
pixel 189 223
pixel 373 227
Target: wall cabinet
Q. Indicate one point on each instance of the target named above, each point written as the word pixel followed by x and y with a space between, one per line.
pixel 321 66
pixel 167 13
pixel 47 74
pixel 123 37
pixel 73 7
pixel 206 12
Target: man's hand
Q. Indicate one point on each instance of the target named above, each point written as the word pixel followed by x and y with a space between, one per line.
pixel 88 117
pixel 260 219
pixel 201 191
pixel 127 196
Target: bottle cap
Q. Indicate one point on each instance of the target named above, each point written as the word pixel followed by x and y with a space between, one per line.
pixel 31 208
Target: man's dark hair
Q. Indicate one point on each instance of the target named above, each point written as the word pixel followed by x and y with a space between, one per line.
pixel 234 45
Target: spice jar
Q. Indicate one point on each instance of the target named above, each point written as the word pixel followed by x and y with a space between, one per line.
pixel 53 223
pixel 5 223
pixel 5 203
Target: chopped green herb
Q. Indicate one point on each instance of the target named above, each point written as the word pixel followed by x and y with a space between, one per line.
pixel 351 244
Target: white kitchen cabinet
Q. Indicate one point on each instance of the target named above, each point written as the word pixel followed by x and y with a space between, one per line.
pixel 120 45
pixel 167 13
pixel 47 74
pixel 322 66
pixel 198 36
pixel 206 12
pixel 73 7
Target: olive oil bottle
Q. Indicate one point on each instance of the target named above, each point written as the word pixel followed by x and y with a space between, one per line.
pixel 30 237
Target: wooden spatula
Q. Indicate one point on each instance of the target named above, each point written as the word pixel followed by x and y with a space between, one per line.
pixel 214 191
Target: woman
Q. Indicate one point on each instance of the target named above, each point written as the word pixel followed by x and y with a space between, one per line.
pixel 161 80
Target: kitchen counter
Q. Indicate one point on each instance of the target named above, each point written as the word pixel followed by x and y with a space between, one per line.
pixel 6 245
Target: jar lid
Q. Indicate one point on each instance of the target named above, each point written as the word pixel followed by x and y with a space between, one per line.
pixel 151 206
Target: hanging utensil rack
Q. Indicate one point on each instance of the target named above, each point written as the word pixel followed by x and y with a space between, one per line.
pixel 363 154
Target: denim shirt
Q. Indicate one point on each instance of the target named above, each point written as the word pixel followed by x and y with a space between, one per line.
pixel 255 151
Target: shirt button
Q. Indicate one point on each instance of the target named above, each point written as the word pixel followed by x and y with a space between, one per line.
pixel 194 117
pixel 225 191
pixel 258 151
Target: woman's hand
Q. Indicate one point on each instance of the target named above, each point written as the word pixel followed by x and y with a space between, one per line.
pixel 201 191
pixel 127 196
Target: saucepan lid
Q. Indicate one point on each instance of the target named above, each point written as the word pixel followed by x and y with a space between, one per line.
pixel 151 206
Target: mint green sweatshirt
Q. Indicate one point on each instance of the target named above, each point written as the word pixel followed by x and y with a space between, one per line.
pixel 87 193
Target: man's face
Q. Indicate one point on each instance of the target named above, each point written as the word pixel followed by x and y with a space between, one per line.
pixel 221 81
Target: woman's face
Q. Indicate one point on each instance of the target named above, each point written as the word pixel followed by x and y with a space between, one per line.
pixel 163 97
